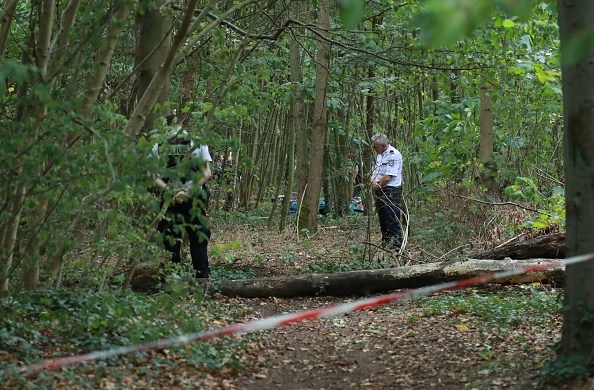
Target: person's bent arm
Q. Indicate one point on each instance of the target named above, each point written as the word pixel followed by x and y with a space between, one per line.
pixel 207 174
pixel 381 183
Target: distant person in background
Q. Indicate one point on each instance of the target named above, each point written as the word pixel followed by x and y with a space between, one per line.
pixel 357 182
pixel 232 180
pixel 184 191
pixel 386 183
pixel 218 167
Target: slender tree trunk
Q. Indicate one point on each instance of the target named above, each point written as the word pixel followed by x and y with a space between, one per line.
pixel 30 267
pixel 290 150
pixel 8 235
pixel 344 182
pixel 575 19
pixel 455 94
pixel 5 23
pixel 279 170
pixel 295 116
pixel 486 142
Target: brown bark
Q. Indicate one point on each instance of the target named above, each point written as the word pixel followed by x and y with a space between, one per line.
pixel 153 90
pixel 318 140
pixel 487 142
pixel 6 18
pixel 368 282
pixel 550 246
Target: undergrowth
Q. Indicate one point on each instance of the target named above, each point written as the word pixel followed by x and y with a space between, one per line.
pixel 500 307
pixel 51 324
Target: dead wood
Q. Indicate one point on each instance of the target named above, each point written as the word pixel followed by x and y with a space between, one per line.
pixel 551 246
pixel 368 282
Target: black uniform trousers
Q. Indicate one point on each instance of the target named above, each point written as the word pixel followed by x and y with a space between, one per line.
pixel 388 207
pixel 194 222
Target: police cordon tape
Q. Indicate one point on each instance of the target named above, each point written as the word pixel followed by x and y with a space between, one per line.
pixel 285 319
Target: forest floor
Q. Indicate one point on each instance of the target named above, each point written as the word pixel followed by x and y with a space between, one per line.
pixel 396 346
pixel 401 345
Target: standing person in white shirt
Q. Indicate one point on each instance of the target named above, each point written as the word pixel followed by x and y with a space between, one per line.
pixel 386 182
pixel 184 190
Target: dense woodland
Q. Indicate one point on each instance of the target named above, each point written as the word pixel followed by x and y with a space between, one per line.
pixel 290 93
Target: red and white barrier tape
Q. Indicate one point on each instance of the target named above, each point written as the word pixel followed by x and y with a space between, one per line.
pixel 276 321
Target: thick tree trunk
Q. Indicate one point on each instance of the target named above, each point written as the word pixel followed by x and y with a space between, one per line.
pixel 576 22
pixel 318 140
pixel 368 282
pixel 153 44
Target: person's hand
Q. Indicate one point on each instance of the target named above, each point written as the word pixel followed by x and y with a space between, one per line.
pixel 180 195
pixel 376 185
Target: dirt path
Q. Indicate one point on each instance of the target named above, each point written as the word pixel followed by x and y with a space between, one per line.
pixel 389 347
pixel 396 346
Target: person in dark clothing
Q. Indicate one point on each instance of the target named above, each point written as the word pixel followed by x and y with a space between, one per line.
pixel 357 182
pixel 184 191
pixel 386 182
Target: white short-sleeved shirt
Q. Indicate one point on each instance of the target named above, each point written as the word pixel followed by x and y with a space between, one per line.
pixel 389 163
pixel 200 152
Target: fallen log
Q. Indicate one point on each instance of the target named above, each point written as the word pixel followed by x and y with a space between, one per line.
pixel 546 246
pixel 378 281
pixel 373 281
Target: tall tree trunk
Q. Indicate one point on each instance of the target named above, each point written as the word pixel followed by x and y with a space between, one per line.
pixel 154 42
pixel 5 23
pixel 575 19
pixel 344 182
pixel 295 116
pixel 318 141
pixel 290 150
pixel 153 90
pixel 487 141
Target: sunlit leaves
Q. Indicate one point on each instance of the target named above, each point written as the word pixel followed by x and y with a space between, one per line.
pixel 444 22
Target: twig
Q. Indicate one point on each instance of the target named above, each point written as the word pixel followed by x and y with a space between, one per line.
pixel 510 240
pixel 450 251
pixel 502 204
pixel 542 173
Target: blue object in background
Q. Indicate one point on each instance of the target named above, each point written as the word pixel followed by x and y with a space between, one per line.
pixel 293 207
pixel 355 210
pixel 322 208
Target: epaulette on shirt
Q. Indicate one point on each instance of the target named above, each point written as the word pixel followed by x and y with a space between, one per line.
pixel 391 151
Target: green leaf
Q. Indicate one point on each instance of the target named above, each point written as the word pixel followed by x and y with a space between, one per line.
pixel 431 176
pixel 351 12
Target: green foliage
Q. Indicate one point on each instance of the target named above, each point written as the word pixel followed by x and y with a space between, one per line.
pixel 552 207
pixel 223 272
pixel 441 229
pixel 444 22
pixel 351 12
pixel 565 369
pixel 446 142
pixel 501 309
pixel 77 321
